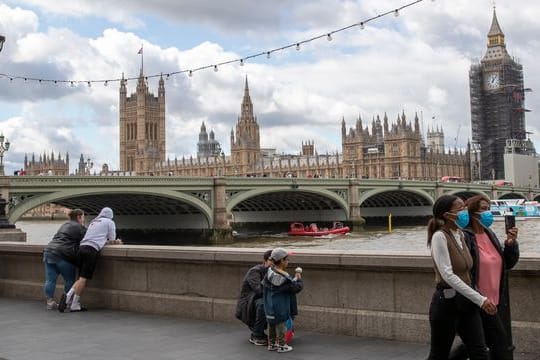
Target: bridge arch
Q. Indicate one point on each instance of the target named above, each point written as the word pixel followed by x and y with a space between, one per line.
pixel 92 200
pixel 512 195
pixel 465 194
pixel 398 202
pixel 285 204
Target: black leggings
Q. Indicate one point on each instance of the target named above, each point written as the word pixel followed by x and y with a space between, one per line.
pixel 446 320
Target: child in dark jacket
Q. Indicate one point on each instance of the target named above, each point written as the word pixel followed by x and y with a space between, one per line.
pixel 279 294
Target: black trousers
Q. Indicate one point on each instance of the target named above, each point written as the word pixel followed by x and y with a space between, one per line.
pixel 257 330
pixel 447 319
pixel 496 337
pixel 496 340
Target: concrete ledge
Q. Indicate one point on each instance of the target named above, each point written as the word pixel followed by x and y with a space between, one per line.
pixel 12 235
pixel 352 293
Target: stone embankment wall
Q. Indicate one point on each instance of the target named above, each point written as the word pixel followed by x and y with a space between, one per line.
pixel 352 293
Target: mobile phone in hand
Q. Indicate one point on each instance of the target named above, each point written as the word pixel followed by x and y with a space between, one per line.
pixel 509 222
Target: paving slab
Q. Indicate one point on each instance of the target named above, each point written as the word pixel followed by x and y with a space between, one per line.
pixel 28 331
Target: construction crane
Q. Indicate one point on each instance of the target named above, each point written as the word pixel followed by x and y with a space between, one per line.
pixel 457 136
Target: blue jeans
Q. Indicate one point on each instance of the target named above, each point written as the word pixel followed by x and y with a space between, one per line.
pixel 55 266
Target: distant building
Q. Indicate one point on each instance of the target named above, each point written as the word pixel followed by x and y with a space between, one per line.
pixel 521 163
pixel 84 167
pixel 142 127
pixel 207 145
pixel 46 165
pixel 393 150
pixel 497 106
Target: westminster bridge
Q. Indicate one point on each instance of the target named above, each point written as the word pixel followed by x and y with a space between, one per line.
pixel 215 203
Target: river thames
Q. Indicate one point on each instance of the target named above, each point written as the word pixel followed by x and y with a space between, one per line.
pixel 401 240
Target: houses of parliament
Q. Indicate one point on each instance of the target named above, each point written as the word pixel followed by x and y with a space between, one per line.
pixel 382 148
pixel 385 149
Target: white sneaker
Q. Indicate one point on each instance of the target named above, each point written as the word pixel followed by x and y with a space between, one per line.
pixel 52 305
pixel 284 348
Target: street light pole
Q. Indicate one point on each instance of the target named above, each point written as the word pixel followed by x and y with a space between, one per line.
pixel 3 149
pixel 88 165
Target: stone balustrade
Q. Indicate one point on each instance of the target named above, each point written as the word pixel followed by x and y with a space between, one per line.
pixel 364 293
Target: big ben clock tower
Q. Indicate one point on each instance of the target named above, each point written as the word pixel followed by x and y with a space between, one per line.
pixel 497 113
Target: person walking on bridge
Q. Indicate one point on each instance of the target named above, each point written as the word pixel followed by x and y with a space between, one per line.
pixel 250 306
pixel 60 255
pixel 101 231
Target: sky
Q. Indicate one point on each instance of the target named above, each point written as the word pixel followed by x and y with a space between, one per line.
pixel 416 63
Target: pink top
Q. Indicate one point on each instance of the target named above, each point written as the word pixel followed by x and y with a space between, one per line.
pixel 489 268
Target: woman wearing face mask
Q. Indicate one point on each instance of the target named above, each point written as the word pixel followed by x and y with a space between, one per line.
pixel 491 262
pixel 455 304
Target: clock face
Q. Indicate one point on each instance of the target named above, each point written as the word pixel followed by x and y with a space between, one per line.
pixel 492 81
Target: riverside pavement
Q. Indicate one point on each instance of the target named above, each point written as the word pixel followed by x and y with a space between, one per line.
pixel 28 331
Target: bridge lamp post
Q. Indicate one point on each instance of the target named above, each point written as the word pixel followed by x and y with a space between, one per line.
pixel 3 148
pixel 88 165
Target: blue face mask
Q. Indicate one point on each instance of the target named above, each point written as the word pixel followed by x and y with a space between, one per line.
pixel 462 218
pixel 486 218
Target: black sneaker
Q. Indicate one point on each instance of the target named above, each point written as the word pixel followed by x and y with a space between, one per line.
pixel 62 304
pixel 258 342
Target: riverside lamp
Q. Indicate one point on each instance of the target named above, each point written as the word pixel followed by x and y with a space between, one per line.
pixel 88 165
pixel 2 40
pixel 3 148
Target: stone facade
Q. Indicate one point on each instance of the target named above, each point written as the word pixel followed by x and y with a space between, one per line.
pixel 394 150
pixel 142 127
pixel 46 165
pixel 351 293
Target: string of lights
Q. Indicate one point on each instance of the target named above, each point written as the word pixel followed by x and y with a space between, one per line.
pixel 241 61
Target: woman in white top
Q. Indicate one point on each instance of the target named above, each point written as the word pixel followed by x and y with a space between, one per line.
pixel 455 304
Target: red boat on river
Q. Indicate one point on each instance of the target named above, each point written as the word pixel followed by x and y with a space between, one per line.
pixel 298 229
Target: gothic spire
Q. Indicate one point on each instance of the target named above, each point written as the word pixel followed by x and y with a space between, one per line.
pixel 246 113
pixel 495 29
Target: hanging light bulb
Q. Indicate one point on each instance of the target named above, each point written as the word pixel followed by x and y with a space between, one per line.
pixel 268 55
pixel 72 84
pixel 241 62
pixel 396 13
pixel 167 78
pixel 298 47
pixel 89 84
pixel 329 37
pixel 190 73
pixel 215 68
pixel 362 26
pixel 105 83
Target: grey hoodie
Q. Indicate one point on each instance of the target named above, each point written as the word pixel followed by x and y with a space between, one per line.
pixel 101 229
